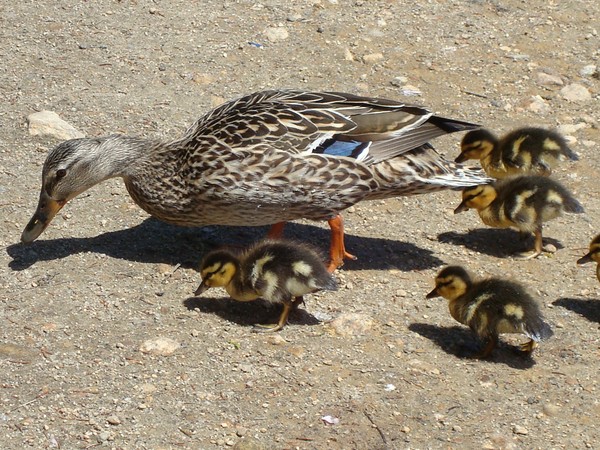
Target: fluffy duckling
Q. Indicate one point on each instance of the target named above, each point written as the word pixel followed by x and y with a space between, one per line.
pixel 522 151
pixel 523 202
pixel 277 271
pixel 491 307
pixel 593 255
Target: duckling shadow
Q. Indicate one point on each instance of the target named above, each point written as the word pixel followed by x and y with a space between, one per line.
pixel 498 242
pixel 460 342
pixel 153 241
pixel 248 313
pixel 588 308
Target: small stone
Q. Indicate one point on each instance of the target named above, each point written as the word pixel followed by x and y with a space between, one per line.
pixel 160 346
pixel 113 420
pixel 545 79
pixel 405 429
pixel 348 56
pixel 457 428
pixel 275 34
pixel 535 104
pixel 249 443
pixel 550 410
pixel 352 324
pixel 276 340
pixel 518 429
pixel 591 70
pixel 570 128
pixel 550 248
pixel 372 58
pixel 48 123
pixel 576 93
pixel 104 436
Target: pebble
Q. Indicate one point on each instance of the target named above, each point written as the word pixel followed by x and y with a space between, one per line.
pixel 591 70
pixel 545 79
pixel 550 410
pixel 352 324
pixel 372 58
pixel 113 420
pixel 518 429
pixel 537 105
pixel 576 93
pixel 570 128
pixel 275 34
pixel 48 123
pixel 249 443
pixel 160 346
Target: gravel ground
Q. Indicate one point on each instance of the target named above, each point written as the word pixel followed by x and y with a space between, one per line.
pixel 81 305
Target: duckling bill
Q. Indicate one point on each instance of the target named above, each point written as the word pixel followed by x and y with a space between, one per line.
pixel 523 202
pixel 277 271
pixel 592 255
pixel 491 307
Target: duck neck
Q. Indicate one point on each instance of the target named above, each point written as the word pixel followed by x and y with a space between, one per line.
pixel 240 290
pixel 118 155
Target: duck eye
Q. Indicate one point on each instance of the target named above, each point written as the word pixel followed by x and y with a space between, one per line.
pixel 60 173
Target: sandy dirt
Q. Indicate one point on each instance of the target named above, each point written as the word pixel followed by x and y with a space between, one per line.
pixel 104 279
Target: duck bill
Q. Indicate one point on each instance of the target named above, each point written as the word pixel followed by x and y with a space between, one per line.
pixel 461 158
pixel 462 207
pixel 45 212
pixel 433 294
pixel 203 287
pixel 585 259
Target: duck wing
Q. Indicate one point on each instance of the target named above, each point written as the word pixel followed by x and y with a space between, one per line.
pixel 332 123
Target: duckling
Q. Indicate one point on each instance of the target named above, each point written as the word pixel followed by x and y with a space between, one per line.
pixel 491 307
pixel 276 270
pixel 523 151
pixel 523 202
pixel 593 255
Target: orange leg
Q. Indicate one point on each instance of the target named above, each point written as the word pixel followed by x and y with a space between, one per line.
pixel 276 230
pixel 337 250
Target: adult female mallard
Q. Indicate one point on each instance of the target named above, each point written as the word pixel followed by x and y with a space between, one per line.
pixel 265 158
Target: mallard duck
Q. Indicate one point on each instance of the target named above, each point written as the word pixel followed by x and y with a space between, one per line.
pixel 523 202
pixel 593 255
pixel 266 158
pixel 275 270
pixel 533 151
pixel 491 307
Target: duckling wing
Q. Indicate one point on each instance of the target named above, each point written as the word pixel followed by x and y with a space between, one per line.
pixel 313 122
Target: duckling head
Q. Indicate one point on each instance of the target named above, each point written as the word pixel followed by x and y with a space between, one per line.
pixel 478 197
pixel 476 144
pixel 593 254
pixel 217 270
pixel 71 168
pixel 451 283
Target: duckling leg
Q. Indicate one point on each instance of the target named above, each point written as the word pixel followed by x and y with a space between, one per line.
pixel 287 307
pixel 487 350
pixel 537 249
pixel 337 250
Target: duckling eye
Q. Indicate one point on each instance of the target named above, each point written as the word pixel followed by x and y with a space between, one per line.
pixel 60 173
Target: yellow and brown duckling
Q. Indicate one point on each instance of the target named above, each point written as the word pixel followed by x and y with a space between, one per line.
pixel 523 151
pixel 593 255
pixel 523 202
pixel 275 270
pixel 491 307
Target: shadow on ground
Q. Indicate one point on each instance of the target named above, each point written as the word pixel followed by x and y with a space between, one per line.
pixel 586 307
pixel 498 242
pixel 153 241
pixel 462 343
pixel 248 313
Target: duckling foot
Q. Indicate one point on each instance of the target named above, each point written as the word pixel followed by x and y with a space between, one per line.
pixel 528 347
pixel 529 255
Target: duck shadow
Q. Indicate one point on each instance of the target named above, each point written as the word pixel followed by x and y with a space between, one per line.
pixel 248 314
pixel 588 308
pixel 153 241
pixel 498 242
pixel 462 343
